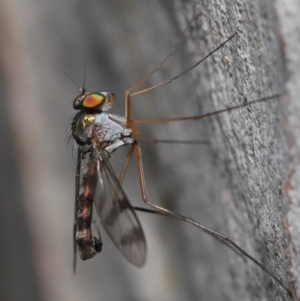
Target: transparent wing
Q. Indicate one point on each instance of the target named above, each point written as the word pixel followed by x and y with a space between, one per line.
pixel 117 215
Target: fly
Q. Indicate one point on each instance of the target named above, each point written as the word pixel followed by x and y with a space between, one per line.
pixel 99 134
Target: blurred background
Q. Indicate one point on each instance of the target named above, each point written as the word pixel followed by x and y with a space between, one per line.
pixel 120 41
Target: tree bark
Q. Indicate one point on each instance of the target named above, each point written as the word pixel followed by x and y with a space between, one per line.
pixel 241 181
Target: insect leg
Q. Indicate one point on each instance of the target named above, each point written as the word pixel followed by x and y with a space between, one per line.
pixel 225 240
pixel 126 163
pixel 153 140
pixel 121 178
pixel 197 117
pixel 158 67
pixel 184 72
pixel 128 95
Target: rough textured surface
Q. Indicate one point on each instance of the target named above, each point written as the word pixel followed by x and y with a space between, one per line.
pixel 248 146
pixel 288 14
pixel 234 184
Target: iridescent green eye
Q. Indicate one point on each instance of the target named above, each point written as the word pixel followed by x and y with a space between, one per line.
pixel 93 100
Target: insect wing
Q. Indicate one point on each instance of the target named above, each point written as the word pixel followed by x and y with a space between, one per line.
pixel 117 215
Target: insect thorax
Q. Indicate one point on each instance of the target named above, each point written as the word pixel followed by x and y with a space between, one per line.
pixel 107 130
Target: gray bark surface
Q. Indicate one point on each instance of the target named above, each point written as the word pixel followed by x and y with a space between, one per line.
pixel 242 181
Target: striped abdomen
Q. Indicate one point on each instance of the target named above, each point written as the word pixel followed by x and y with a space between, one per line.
pixel 88 245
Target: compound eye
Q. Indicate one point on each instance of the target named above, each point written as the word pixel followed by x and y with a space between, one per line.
pixel 93 100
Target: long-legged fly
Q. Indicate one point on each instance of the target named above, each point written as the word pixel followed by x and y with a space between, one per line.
pixel 97 136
